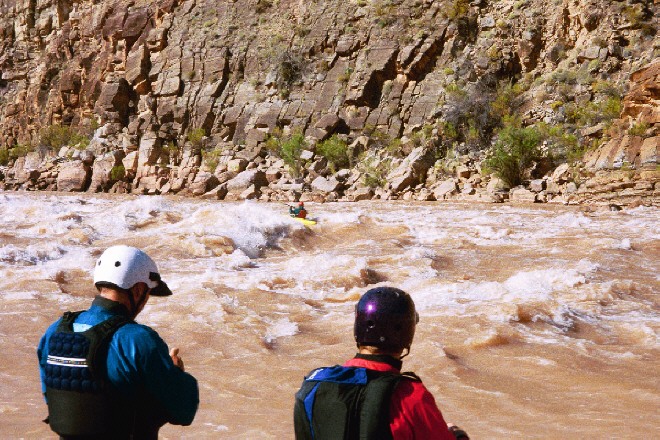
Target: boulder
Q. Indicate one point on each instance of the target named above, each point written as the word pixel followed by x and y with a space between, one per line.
pixel 445 189
pixel 537 185
pixel 203 183
pixel 326 185
pixel 496 185
pixel 245 179
pixel 360 194
pixel 74 177
pixel 102 172
pixel 520 194
pixel 237 165
pixel 411 170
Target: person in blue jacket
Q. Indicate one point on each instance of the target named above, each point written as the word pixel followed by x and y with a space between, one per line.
pixel 106 376
pixel 298 211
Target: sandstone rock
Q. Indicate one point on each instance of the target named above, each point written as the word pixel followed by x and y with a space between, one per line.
pixel 537 185
pixel 496 185
pixel 102 172
pixel 237 165
pixel 306 155
pixel 360 194
pixel 445 189
pixel 74 177
pixel 130 162
pixel 425 195
pixel 273 175
pixel 561 174
pixel 411 170
pixel 203 183
pixel 648 154
pixel 326 185
pixel 249 193
pixel 245 179
pixel 522 195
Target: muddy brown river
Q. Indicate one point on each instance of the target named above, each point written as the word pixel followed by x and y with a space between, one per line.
pixel 536 321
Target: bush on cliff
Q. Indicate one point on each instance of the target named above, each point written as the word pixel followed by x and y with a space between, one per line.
pixel 196 137
pixel 211 158
pixel 118 172
pixel 515 150
pixel 57 136
pixel 335 151
pixel 468 115
pixel 289 149
pixel 19 151
pixel 4 156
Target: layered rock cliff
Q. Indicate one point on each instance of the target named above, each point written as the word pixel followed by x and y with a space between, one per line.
pixel 181 96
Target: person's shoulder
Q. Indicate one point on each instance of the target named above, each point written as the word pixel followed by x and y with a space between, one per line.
pixel 133 331
pixel 411 385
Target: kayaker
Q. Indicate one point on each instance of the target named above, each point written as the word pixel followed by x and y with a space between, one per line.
pixel 298 211
pixel 368 397
pixel 103 375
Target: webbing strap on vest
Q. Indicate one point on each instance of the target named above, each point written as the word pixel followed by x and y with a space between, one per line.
pixel 345 403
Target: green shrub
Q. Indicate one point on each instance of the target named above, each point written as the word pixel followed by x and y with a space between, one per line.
pixel 118 172
pixel 457 9
pixel 20 151
pixel 503 103
pixel 374 171
pixel 4 156
pixel 607 88
pixel 195 137
pixel 346 76
pixel 263 6
pixel 289 67
pixel 469 116
pixel 593 113
pixel 335 151
pixel 288 148
pixel 211 158
pixel 562 144
pixel 515 150
pixel 57 136
pixel 638 129
pixel 564 77
pixel 635 15
pixel 611 108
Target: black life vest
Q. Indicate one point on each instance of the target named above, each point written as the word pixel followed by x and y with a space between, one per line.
pixel 81 402
pixel 346 403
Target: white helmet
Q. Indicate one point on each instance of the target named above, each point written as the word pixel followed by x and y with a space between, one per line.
pixel 125 266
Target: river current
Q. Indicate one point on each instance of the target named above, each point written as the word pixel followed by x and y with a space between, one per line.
pixel 536 322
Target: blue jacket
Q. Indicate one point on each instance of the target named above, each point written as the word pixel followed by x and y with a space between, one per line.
pixel 138 359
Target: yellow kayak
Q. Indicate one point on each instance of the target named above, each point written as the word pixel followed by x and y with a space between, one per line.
pixel 305 221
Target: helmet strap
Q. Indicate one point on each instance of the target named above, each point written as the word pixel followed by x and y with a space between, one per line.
pixel 407 353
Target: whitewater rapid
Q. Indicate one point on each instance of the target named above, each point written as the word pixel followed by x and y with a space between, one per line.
pixel 536 321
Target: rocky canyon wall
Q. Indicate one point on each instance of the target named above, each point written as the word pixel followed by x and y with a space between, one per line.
pixel 138 77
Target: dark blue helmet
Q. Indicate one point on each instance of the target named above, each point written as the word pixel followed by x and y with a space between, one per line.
pixel 385 317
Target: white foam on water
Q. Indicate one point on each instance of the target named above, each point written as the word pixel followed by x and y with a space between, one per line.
pixel 280 328
pixel 251 226
pixel 535 286
pixel 572 220
pixel 31 254
pixel 623 244
pixel 22 295
pixel 314 276
pixel 336 218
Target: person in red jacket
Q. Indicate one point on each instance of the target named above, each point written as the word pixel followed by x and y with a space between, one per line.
pixel 368 397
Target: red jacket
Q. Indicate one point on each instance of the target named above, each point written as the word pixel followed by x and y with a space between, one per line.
pixel 413 412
